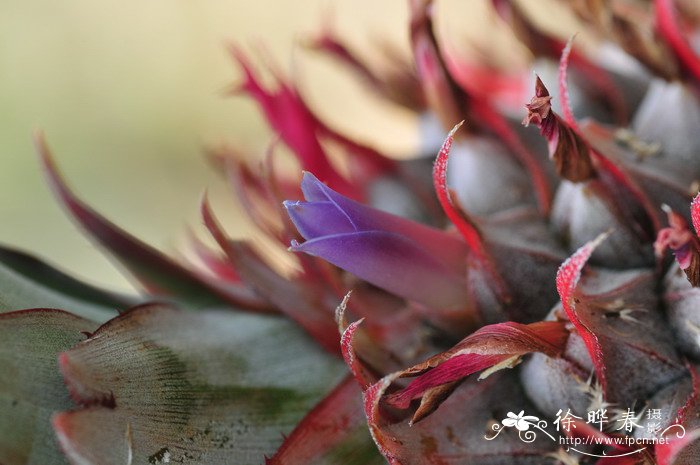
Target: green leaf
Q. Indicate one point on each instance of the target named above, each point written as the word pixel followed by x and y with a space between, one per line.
pixel 27 282
pixel 209 387
pixel 31 386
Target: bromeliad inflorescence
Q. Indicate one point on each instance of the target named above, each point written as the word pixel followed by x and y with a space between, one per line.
pixel 518 271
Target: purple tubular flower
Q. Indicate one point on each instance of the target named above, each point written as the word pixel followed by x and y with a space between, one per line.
pixel 409 259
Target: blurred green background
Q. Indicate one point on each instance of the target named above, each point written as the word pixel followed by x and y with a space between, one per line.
pixel 129 93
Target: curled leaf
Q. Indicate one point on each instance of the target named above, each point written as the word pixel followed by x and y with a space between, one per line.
pixel 500 345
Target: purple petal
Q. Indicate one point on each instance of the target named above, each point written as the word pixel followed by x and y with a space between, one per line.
pixel 313 189
pixel 393 263
pixel 444 247
pixel 316 219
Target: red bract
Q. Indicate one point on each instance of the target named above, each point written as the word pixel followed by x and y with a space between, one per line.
pixel 500 345
pixel 302 131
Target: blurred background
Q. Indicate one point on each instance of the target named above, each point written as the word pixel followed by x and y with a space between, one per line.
pixel 129 94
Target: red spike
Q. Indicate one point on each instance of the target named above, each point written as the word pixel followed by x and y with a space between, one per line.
pixel 464 225
pixel 350 356
pixel 564 87
pixel 667 23
pixel 567 279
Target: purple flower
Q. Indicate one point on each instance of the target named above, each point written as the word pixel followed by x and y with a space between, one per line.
pixel 403 257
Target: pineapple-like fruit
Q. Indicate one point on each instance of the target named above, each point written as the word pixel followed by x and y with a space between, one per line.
pixel 512 301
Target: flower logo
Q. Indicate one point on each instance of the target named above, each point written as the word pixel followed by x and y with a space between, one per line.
pixel 520 421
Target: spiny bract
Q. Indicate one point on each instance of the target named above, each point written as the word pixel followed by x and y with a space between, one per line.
pixel 469 336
